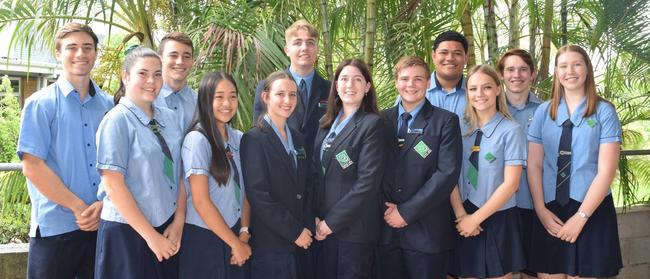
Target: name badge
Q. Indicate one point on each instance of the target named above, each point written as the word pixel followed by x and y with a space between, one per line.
pixel 422 149
pixel 415 131
pixel 344 160
pixel 322 104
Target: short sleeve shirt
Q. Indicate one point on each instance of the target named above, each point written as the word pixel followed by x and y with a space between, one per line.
pixel 183 103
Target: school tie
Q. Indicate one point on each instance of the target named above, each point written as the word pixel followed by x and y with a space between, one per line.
pixel 472 174
pixel 329 140
pixel 564 164
pixel 235 173
pixel 403 130
pixel 168 166
pixel 304 96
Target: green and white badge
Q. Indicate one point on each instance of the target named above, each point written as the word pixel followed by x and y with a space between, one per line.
pixel 422 149
pixel 490 157
pixel 591 122
pixel 344 160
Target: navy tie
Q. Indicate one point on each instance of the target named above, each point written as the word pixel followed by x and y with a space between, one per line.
pixel 403 130
pixel 235 174
pixel 168 167
pixel 304 96
pixel 564 164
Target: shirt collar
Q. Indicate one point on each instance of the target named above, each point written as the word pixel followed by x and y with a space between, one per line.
pixel 436 84
pixel 141 115
pixel 166 91
pixel 531 99
pixel 413 113
pixel 488 128
pixel 308 78
pixel 232 142
pixel 563 112
pixel 67 87
pixel 289 143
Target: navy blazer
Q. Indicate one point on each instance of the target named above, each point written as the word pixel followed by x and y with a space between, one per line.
pixel 303 120
pixel 349 199
pixel 276 189
pixel 420 183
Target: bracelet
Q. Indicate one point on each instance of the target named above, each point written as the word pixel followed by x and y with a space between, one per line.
pixel 583 215
pixel 244 229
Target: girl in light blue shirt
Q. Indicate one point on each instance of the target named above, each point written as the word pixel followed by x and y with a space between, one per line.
pixel 138 157
pixel 574 148
pixel 216 235
pixel 494 152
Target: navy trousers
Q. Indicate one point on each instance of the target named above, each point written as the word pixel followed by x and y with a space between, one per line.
pixel 399 263
pixel 68 255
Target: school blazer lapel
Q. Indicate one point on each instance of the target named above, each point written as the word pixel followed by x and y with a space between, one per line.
pixel 316 85
pixel 419 124
pixel 340 138
pixel 278 148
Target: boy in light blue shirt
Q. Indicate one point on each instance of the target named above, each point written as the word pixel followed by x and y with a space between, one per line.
pixel 176 52
pixel 57 147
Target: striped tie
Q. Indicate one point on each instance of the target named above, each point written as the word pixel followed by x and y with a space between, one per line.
pixel 564 164
pixel 235 174
pixel 168 163
pixel 472 174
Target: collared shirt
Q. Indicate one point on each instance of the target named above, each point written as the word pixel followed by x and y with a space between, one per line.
pixel 413 113
pixel 59 128
pixel 309 78
pixel 523 116
pixel 453 100
pixel 288 144
pixel 127 145
pixel 336 127
pixel 197 158
pixel 588 134
pixel 503 144
pixel 182 102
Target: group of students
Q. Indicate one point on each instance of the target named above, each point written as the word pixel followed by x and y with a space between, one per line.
pixel 156 183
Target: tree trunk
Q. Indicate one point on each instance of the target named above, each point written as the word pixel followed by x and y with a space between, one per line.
pixel 371 14
pixel 546 40
pixel 513 24
pixel 468 31
pixel 532 29
pixel 563 22
pixel 491 31
pixel 327 43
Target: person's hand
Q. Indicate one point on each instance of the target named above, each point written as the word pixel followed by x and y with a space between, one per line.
pixel 244 237
pixel 174 232
pixel 550 221
pixel 468 226
pixel 392 216
pixel 88 218
pixel 572 228
pixel 240 253
pixel 304 240
pixel 322 230
pixel 162 247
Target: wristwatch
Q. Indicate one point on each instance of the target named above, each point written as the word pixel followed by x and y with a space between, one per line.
pixel 244 229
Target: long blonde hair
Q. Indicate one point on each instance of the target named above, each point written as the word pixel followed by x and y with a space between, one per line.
pixel 471 117
pixel 590 83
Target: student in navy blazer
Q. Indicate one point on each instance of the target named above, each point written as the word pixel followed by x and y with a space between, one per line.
pixel 348 165
pixel 423 169
pixel 275 173
pixel 302 49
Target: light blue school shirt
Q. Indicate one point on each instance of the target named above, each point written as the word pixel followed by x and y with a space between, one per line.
pixel 183 103
pixel 59 128
pixel 453 100
pixel 413 113
pixel 309 78
pixel 288 144
pixel 197 158
pixel 336 127
pixel 524 115
pixel 127 145
pixel 588 134
pixel 503 144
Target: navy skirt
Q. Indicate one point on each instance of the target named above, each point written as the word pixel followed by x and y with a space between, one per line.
pixel 495 252
pixel 526 217
pixel 122 253
pixel 205 255
pixel 596 252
